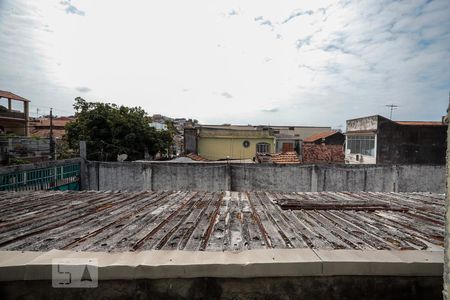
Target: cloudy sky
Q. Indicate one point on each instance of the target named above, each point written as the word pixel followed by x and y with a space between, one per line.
pixel 259 62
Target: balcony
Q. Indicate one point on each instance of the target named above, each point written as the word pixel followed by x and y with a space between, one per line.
pixel 12 115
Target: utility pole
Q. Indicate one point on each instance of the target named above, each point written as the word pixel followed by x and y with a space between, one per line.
pixel 52 142
pixel 392 107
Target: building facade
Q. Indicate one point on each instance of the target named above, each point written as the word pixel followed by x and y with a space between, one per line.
pixel 378 140
pixel 14 114
pixel 287 143
pixel 228 142
pixel 290 138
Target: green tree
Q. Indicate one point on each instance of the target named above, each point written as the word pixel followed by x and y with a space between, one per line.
pixel 109 130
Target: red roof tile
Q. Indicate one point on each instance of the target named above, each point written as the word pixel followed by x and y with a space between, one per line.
pixel 57 122
pixel 279 158
pixel 285 158
pixel 319 136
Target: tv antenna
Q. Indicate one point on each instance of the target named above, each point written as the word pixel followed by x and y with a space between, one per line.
pixel 392 107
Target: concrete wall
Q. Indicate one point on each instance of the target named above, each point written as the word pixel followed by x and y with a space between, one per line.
pixel 410 144
pixel 263 177
pixel 25 148
pixel 363 124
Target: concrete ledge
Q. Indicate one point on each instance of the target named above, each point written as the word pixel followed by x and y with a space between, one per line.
pixel 381 262
pixel 16 265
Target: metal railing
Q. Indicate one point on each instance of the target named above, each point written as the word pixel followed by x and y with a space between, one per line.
pixel 64 177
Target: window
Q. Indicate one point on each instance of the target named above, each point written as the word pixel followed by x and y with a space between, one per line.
pixel 361 144
pixel 262 148
pixel 246 144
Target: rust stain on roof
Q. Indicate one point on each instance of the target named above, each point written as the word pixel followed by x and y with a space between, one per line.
pixel 219 221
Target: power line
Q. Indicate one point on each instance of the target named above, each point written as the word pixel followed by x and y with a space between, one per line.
pixel 54 108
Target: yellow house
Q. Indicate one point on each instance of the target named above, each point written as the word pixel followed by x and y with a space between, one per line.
pixel 222 142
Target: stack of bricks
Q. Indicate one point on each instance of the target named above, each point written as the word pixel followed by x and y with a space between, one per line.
pixel 285 158
pixel 312 153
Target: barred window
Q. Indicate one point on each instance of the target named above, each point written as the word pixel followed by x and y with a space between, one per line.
pixel 262 148
pixel 361 144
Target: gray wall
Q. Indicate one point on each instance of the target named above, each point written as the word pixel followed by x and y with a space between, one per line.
pixel 410 144
pixel 135 176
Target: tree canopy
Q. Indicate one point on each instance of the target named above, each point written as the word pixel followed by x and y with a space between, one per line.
pixel 110 130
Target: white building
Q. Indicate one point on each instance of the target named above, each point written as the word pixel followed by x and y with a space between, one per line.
pixel 158 126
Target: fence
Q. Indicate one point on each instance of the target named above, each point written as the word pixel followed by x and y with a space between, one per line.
pixel 54 175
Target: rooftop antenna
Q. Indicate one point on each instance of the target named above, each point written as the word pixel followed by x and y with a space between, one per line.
pixel 392 107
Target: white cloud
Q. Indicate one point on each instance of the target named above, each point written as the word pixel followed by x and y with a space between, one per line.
pixel 227 95
pixel 83 89
pixel 311 63
pixel 71 9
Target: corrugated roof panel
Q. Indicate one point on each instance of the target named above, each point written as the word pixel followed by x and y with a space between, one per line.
pixel 220 221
